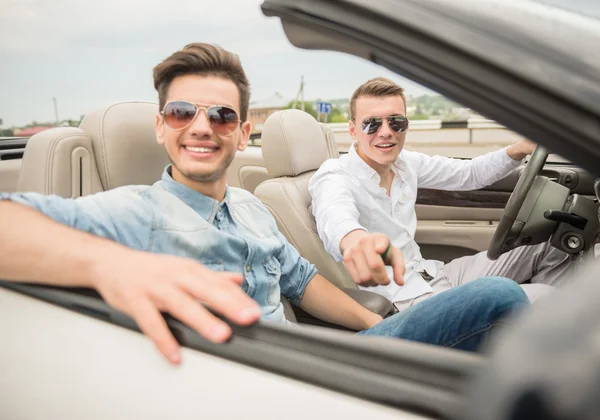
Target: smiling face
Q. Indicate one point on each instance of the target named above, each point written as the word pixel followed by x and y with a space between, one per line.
pixel 198 153
pixel 381 149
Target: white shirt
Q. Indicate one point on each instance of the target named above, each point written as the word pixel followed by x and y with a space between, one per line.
pixel 346 196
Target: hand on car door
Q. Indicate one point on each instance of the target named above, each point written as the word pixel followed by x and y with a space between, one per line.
pixel 142 285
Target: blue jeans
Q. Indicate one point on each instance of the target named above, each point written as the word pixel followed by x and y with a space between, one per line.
pixel 457 318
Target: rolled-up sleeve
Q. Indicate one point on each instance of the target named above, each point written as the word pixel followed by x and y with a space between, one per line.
pixel 296 272
pixel 119 215
pixel 442 173
pixel 335 209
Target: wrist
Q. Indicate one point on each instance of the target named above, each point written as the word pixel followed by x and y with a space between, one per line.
pixel 372 319
pixel 515 153
pixel 97 267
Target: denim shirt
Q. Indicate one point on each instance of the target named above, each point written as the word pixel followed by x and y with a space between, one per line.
pixel 237 235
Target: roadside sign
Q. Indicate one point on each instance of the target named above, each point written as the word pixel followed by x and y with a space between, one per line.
pixel 323 107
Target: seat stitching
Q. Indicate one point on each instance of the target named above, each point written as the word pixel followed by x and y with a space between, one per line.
pixel 280 121
pixel 51 154
pixel 276 216
pixel 102 145
pixel 294 207
pixel 49 160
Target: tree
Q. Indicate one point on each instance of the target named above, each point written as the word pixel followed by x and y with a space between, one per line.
pixel 308 107
pixel 337 116
pixel 7 132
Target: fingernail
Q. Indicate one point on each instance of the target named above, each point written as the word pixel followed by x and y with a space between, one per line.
pixel 175 357
pixel 220 332
pixel 250 313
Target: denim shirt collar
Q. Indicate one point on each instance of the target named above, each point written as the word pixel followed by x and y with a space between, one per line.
pixel 205 206
pixel 363 170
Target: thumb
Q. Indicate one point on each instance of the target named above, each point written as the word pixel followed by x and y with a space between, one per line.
pixel 397 262
pixel 381 244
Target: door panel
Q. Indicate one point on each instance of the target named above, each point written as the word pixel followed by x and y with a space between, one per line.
pixel 474 199
pixel 457 223
pixel 445 240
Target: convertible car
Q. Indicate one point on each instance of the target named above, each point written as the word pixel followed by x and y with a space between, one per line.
pixel 532 66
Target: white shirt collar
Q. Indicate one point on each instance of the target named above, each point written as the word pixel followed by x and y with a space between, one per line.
pixel 363 170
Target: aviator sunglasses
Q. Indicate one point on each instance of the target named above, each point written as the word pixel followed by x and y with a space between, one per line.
pixel 397 123
pixel 181 114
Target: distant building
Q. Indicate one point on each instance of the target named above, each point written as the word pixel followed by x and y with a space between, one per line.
pixel 30 131
pixel 260 110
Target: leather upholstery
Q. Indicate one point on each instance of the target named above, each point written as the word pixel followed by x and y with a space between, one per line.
pixel 124 142
pixel 294 146
pixel 113 146
pixel 59 161
pixel 292 143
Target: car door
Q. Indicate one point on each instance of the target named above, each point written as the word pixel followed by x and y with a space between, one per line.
pixel 79 358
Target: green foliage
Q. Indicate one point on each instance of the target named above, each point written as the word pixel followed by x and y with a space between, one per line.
pixel 336 115
pixel 436 106
pixel 308 107
pixel 7 132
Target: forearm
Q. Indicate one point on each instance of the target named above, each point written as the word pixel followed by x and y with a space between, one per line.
pixel 328 303
pixel 35 248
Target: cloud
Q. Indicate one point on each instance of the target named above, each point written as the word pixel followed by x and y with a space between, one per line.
pixel 88 53
pixel 28 26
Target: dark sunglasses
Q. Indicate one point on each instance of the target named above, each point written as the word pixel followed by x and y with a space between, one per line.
pixel 181 114
pixel 397 123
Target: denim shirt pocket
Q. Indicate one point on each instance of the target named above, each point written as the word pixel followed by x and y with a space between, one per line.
pixel 273 274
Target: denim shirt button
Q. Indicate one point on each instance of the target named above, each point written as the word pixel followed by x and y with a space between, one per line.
pixel 248 268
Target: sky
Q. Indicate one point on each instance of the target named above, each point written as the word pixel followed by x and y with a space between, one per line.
pixel 88 53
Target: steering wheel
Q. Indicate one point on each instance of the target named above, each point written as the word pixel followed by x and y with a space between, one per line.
pixel 507 229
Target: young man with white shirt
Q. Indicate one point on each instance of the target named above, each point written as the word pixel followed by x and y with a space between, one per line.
pixel 364 205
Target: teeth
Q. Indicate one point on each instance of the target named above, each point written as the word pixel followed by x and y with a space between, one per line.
pixel 200 149
pixel 385 145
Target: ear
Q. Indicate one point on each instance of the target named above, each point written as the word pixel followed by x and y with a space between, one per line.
pixel 352 128
pixel 160 129
pixel 245 129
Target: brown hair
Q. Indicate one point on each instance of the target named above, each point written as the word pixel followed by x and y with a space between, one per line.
pixel 205 60
pixel 379 86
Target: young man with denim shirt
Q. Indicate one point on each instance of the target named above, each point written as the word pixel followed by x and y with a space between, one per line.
pixel 187 237
pixel 364 205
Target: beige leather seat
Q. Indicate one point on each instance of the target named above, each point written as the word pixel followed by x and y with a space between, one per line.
pixel 294 145
pixel 113 146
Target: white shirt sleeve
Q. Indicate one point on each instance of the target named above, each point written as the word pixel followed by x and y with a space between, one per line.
pixel 335 209
pixel 444 173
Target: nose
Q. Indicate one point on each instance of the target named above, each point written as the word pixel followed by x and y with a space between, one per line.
pixel 385 130
pixel 201 127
